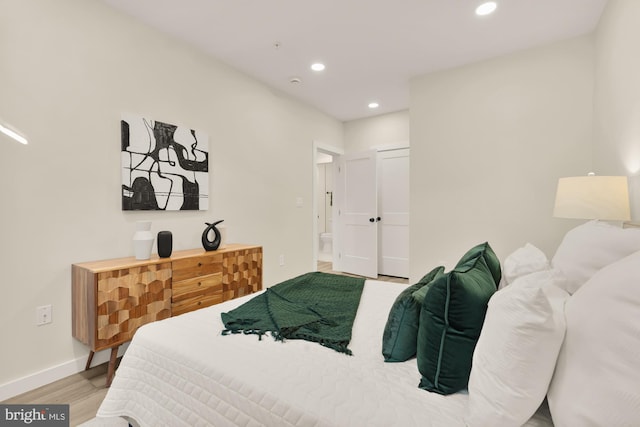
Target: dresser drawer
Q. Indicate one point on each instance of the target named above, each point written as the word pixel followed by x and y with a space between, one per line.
pixel 204 285
pixel 195 303
pixel 192 267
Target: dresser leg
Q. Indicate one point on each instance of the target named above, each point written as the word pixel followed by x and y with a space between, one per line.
pixel 112 365
pixel 111 368
pixel 88 365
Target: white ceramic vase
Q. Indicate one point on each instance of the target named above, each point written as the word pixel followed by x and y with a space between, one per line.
pixel 142 240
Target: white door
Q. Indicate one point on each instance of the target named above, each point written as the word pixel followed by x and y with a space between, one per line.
pixel 357 211
pixel 393 209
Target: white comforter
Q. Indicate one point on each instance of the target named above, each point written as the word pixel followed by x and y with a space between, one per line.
pixel 183 372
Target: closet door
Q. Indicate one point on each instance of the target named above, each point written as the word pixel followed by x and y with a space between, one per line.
pixel 393 209
pixel 357 214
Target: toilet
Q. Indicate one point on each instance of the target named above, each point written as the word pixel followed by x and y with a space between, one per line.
pixel 326 246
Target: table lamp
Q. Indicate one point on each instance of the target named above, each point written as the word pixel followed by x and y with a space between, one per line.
pixel 593 197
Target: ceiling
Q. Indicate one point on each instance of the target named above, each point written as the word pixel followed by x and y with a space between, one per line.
pixel 371 48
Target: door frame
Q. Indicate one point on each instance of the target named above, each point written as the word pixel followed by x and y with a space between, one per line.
pixel 319 147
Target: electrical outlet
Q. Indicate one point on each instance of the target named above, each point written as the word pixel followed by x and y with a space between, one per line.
pixel 281 259
pixel 43 315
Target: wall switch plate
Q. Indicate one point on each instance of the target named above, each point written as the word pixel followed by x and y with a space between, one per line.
pixel 281 260
pixel 43 315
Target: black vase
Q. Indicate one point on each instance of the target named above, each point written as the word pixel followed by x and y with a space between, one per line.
pixel 211 245
pixel 165 244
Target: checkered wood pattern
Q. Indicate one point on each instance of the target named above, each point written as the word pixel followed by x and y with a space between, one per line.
pixel 129 298
pixel 241 273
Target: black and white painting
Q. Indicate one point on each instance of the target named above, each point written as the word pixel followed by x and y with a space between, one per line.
pixel 164 166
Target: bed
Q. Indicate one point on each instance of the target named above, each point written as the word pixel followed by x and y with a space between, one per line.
pixel 182 371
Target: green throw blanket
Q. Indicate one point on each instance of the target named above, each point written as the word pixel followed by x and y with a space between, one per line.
pixel 316 307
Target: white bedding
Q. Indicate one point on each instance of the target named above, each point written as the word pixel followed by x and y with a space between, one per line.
pixel 182 372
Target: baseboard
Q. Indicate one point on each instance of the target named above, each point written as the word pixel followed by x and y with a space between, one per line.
pixel 55 373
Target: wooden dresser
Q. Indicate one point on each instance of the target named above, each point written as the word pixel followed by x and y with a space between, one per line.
pixel 112 298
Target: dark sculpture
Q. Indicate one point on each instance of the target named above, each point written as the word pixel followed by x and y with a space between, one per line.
pixel 211 245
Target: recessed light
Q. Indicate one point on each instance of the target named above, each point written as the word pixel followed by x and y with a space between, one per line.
pixel 318 66
pixel 486 8
pixel 373 105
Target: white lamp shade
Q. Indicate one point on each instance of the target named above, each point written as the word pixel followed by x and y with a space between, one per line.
pixel 593 197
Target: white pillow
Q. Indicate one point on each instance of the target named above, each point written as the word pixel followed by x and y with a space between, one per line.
pixel 597 377
pixel 525 260
pixel 515 356
pixel 590 247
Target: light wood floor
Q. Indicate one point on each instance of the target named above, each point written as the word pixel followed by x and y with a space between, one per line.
pixel 85 391
pixel 326 267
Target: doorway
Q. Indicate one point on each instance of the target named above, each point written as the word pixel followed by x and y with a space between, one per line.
pixel 325 235
pixel 324 194
pixel 387 170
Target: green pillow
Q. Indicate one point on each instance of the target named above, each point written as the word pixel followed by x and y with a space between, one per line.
pixel 485 251
pixel 400 336
pixel 420 294
pixel 450 323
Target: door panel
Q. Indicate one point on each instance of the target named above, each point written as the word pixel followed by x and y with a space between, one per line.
pixel 357 177
pixel 393 207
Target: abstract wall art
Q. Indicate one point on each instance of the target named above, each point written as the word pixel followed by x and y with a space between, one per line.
pixel 164 166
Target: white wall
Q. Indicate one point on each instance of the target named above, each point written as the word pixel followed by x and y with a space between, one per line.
pixel 488 144
pixel 378 132
pixel 617 94
pixel 68 70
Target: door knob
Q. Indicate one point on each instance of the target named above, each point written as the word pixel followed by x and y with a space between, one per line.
pixel 378 219
pixel 372 220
